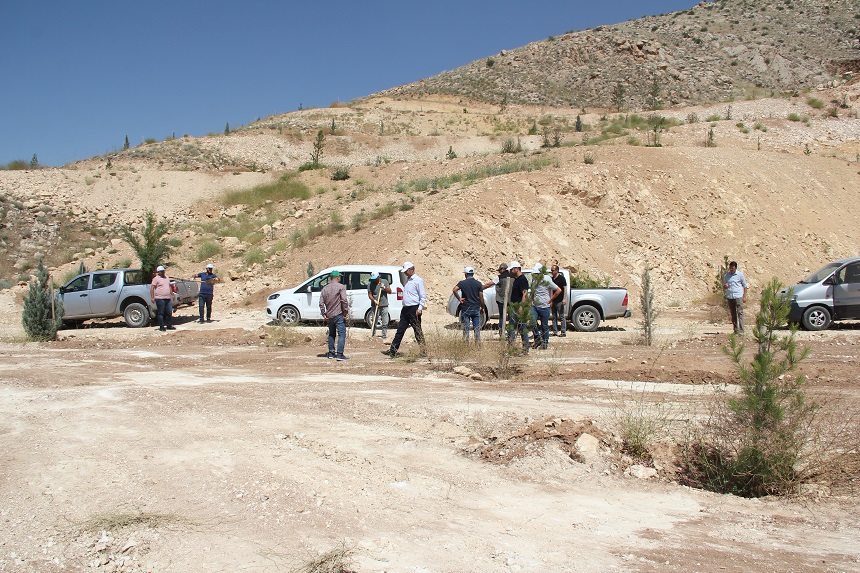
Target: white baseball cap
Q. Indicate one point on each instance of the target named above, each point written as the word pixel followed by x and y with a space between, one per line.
pixel 514 265
pixel 469 271
pixel 159 269
pixel 537 268
pixel 210 266
pixel 406 266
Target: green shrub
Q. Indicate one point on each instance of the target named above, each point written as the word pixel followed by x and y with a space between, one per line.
pixel 340 174
pixel 207 250
pixel 16 165
pixel 41 318
pixel 794 117
pixel 815 103
pixel 583 279
pixel 510 145
pixel 254 255
pixel 283 189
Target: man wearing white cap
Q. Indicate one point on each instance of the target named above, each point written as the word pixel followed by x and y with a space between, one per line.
pixel 541 302
pixel 470 292
pixel 414 302
pixel 159 292
pixel 207 279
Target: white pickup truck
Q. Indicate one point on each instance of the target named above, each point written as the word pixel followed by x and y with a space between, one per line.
pixel 585 308
pixel 108 293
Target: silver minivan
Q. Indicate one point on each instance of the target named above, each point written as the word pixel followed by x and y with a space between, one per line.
pixel 830 293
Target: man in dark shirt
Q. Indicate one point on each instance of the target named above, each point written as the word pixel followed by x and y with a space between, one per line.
pixel 470 292
pixel 516 315
pixel 499 283
pixel 558 301
pixel 207 279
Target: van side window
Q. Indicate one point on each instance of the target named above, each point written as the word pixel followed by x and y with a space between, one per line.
pixel 851 274
pixel 319 282
pixel 79 284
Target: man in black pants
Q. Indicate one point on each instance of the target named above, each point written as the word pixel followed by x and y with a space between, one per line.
pixel 414 301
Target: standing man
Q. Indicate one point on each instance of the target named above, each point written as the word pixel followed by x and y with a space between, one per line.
pixel 519 294
pixel 558 302
pixel 414 301
pixel 334 306
pixel 470 292
pixel 161 295
pixel 378 290
pixel 545 290
pixel 207 290
pixel 735 285
pixel 500 293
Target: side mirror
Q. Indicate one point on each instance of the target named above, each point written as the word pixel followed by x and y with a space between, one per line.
pixel 831 280
pixel 61 290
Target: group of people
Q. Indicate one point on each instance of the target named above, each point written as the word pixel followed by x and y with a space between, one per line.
pixel 516 300
pixel 161 292
pixel 334 307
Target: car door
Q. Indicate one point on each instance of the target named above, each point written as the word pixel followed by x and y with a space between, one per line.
pixel 76 297
pixel 846 291
pixel 308 297
pixel 104 292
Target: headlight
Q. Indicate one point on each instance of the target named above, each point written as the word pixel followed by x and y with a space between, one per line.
pixel 274 296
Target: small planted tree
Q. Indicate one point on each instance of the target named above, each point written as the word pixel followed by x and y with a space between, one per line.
pixel 125 145
pixel 578 126
pixel 34 162
pixel 317 151
pixel 152 246
pixel 619 96
pixel 753 443
pixel 42 315
pixel 649 311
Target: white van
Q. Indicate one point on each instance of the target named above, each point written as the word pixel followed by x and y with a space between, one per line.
pixel 292 305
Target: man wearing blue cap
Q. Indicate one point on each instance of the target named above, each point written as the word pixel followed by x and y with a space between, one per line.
pixel 378 291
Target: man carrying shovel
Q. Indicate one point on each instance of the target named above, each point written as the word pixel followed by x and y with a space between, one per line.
pixel 377 291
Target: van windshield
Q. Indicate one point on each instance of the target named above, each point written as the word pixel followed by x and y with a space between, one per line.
pixel 821 274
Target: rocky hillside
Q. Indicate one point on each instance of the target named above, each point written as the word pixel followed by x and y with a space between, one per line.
pixel 725 49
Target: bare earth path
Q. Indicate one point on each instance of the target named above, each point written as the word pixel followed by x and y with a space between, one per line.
pixel 206 451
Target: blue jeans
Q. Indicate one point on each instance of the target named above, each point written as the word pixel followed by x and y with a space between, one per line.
pixel 541 317
pixel 336 326
pixel 517 327
pixel 204 301
pixel 164 312
pixel 471 320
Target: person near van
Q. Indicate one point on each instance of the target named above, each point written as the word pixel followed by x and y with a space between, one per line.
pixel 735 285
pixel 378 290
pixel 162 296
pixel 500 292
pixel 470 292
pixel 414 302
pixel 334 306
pixel 519 293
pixel 207 291
pixel 559 299
pixel 545 290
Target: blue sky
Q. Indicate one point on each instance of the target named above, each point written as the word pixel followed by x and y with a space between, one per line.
pixel 77 77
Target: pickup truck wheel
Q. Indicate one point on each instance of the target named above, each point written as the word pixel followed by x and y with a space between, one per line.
pixel 368 319
pixel 136 315
pixel 816 318
pixel 483 318
pixel 586 318
pixel 289 314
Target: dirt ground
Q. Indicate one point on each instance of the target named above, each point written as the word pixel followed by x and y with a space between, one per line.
pixel 214 449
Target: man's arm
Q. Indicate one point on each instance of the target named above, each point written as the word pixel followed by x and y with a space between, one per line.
pixel 422 296
pixel 152 292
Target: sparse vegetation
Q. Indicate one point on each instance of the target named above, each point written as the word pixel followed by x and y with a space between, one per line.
pixel 285 188
pixel 151 247
pixel 649 310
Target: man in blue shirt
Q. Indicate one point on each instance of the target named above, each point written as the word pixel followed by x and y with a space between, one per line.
pixel 470 291
pixel 735 286
pixel 207 290
pixel 414 302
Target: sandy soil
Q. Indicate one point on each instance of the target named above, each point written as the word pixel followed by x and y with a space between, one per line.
pixel 210 450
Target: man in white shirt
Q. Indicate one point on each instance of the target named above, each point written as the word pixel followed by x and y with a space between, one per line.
pixel 414 302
